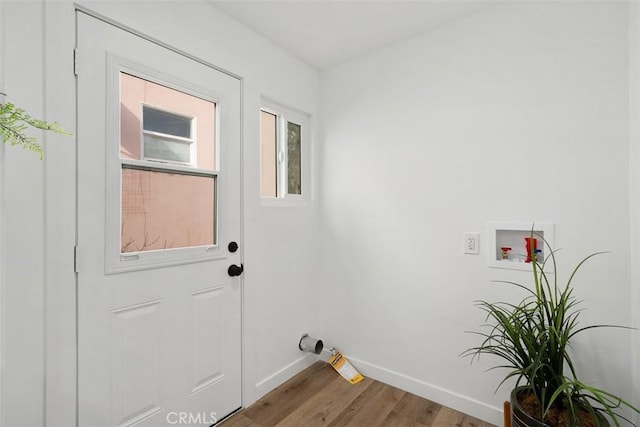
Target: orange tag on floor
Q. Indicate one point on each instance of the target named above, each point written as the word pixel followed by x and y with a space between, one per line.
pixel 344 368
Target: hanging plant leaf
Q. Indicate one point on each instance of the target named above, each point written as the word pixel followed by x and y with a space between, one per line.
pixel 15 121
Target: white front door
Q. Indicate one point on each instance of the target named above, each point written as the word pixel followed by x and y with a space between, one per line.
pixel 159 280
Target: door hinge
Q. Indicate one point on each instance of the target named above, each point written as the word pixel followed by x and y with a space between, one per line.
pixel 75 259
pixel 75 61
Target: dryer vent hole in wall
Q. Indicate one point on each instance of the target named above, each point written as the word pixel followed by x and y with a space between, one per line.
pixel 337 360
pixel 310 344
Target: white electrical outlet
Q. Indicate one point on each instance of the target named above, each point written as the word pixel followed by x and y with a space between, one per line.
pixel 471 243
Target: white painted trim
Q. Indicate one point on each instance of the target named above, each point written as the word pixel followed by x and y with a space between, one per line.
pixel 404 382
pixel 634 192
pixel 90 12
pixel 241 241
pixel 60 219
pixel 272 381
pixel 429 391
pixel 285 202
pixel 3 63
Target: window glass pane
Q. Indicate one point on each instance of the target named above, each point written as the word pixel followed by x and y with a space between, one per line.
pixel 165 122
pixel 163 210
pixel 268 152
pixel 166 149
pixel 148 103
pixel 294 157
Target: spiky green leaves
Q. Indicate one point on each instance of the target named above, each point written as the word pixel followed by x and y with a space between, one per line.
pixel 14 122
pixel 532 338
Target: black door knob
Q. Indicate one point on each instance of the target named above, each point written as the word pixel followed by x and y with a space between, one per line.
pixel 235 270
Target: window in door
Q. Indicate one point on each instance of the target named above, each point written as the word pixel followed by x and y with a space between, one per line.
pixel 284 149
pixel 167 169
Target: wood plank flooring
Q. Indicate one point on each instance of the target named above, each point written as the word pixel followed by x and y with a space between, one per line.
pixel 318 396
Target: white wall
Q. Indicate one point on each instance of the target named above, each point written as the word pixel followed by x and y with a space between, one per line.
pixel 420 142
pixel 23 231
pixel 38 290
pixel 518 113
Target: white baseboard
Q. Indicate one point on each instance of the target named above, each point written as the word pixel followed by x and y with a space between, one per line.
pixel 267 384
pixel 434 393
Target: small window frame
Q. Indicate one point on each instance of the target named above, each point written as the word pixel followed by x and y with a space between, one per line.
pixel 193 141
pixel 285 115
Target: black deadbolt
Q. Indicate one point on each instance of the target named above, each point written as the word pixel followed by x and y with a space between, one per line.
pixel 233 246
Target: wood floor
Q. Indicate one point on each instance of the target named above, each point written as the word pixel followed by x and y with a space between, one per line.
pixel 318 396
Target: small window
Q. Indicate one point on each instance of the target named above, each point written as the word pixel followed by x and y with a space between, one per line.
pixel 284 153
pixel 168 137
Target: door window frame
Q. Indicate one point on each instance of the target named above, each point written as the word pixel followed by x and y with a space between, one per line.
pixel 115 260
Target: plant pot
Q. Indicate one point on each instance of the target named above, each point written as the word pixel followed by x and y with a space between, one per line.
pixel 520 417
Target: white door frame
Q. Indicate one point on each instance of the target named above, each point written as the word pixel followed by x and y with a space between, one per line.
pixel 60 283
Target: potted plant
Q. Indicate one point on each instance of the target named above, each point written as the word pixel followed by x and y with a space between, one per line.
pixel 532 337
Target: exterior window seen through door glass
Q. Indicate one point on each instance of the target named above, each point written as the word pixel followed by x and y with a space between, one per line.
pixel 167 152
pixel 167 136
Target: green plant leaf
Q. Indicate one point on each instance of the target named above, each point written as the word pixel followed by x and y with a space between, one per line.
pixel 14 122
pixel 532 338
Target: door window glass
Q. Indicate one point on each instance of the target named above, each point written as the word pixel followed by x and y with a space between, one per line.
pixel 168 176
pixel 166 210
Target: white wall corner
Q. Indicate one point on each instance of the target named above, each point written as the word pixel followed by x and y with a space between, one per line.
pixel 277 378
pixel 431 392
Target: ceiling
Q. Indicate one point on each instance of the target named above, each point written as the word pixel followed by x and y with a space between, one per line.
pixel 326 33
